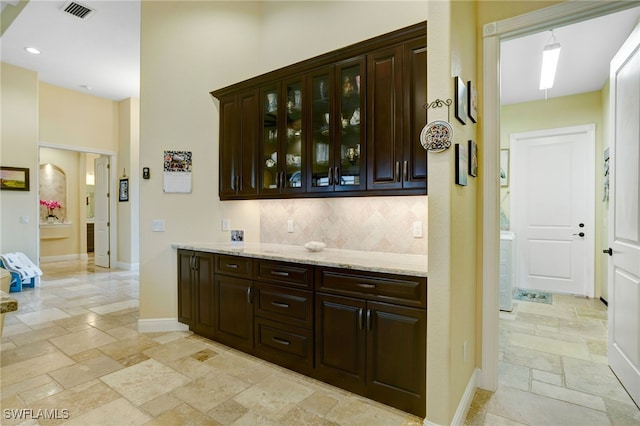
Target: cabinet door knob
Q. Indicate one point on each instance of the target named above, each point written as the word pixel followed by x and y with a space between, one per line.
pixel 330 176
pixel 405 171
pixel 397 174
pixel 249 294
pixel 360 319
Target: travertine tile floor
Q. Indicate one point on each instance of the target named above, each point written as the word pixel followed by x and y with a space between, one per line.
pixel 553 369
pixel 71 354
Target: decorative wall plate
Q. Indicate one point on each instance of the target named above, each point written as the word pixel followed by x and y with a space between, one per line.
pixel 436 136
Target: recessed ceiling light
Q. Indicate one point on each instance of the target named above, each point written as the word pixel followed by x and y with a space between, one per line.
pixel 32 50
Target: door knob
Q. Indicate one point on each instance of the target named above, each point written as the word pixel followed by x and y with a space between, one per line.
pixel 608 251
pixel 581 225
pixel 580 234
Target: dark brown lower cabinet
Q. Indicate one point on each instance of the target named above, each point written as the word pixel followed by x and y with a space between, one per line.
pixel 196 291
pixel 233 302
pixel 374 349
pixel 362 331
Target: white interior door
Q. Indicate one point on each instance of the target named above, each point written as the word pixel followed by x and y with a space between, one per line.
pixel 101 199
pixel 624 217
pixel 552 209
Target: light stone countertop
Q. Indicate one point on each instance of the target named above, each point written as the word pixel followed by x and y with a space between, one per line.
pixel 390 263
pixel 7 303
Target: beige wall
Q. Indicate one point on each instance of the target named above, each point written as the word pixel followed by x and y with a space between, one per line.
pixel 554 113
pixel 74 119
pixel 19 148
pixel 35 113
pixel 129 165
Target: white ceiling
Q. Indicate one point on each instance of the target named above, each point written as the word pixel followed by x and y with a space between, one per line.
pixel 587 49
pixel 103 51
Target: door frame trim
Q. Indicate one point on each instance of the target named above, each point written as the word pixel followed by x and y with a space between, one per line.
pixel 113 185
pixel 589 130
pixel 493 34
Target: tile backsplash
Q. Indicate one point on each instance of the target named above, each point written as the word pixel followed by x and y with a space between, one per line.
pixel 382 224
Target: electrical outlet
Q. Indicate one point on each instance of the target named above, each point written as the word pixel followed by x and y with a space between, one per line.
pixel 157 225
pixel 417 229
pixel 24 220
pixel 290 225
pixel 226 224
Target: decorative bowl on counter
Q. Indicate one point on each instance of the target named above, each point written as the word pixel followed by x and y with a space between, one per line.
pixel 314 245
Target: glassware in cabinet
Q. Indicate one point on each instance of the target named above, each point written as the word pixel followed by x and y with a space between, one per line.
pixel 350 137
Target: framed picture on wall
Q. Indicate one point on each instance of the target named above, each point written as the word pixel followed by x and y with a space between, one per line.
pixel 461 164
pixel 472 107
pixel 124 190
pixel 461 100
pixel 504 167
pixel 14 178
pixel 473 158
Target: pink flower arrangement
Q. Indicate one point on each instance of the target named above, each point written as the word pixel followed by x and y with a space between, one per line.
pixel 51 205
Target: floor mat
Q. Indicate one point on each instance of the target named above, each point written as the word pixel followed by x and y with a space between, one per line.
pixel 532 296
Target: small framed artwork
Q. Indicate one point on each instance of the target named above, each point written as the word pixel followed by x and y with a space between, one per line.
pixel 237 237
pixel 124 190
pixel 472 107
pixel 461 164
pixel 14 178
pixel 504 167
pixel 473 158
pixel 461 100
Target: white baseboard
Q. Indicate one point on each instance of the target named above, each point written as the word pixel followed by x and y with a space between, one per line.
pixel 160 325
pixel 78 256
pixel 128 266
pixel 465 402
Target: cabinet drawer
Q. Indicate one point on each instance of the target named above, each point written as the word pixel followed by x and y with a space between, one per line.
pixel 233 265
pixel 288 305
pixel 400 289
pixel 285 345
pixel 284 273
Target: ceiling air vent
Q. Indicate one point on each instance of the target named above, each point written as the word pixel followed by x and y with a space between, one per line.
pixel 78 10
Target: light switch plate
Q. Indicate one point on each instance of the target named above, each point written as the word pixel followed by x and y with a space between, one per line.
pixel 226 224
pixel 157 225
pixel 290 225
pixel 417 229
pixel 24 219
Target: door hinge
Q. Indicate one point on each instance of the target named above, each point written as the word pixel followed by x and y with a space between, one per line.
pixel 108 166
pixel 108 253
pixel 108 195
pixel 108 223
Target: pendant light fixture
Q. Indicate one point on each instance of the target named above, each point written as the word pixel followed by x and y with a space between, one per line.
pixel 550 56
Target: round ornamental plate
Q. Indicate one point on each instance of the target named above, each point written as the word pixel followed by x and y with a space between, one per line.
pixel 436 136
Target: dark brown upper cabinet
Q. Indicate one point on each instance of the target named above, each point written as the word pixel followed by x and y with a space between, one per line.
pixel 346 123
pixel 396 95
pixel 239 145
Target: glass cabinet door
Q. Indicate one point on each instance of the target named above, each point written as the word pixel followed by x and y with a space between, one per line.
pixel 294 147
pixel 270 142
pixel 349 172
pixel 321 111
